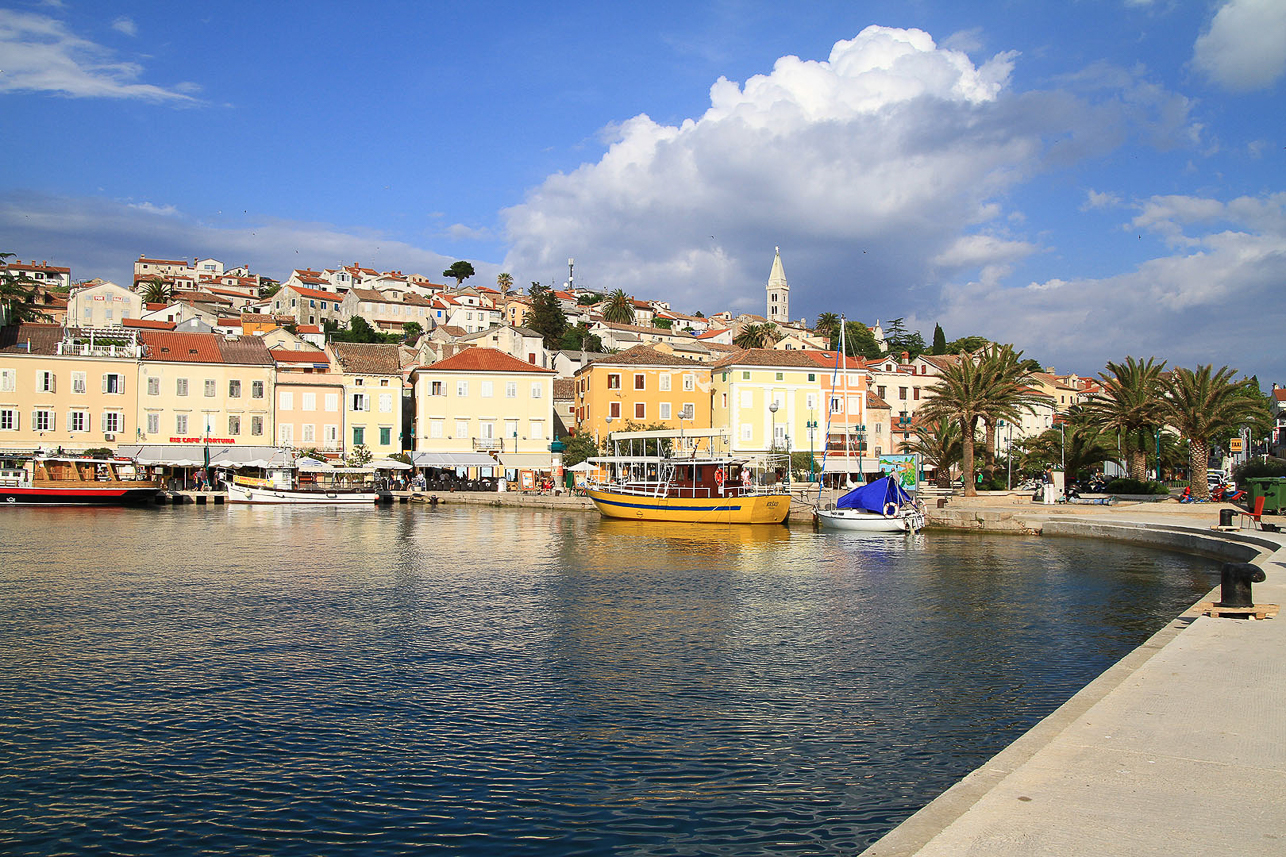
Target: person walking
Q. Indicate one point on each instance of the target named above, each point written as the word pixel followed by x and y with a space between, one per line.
pixel 1048 496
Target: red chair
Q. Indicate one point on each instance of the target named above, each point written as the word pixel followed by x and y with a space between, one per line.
pixel 1256 515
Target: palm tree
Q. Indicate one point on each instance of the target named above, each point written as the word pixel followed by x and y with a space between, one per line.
pixel 938 445
pixel 18 297
pixel 156 291
pixel 619 308
pixel 1079 445
pixel 1200 404
pixel 756 336
pixel 958 398
pixel 1006 396
pixel 828 326
pixel 1130 404
pixel 505 282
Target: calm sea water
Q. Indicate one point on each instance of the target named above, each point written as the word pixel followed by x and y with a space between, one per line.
pixel 490 681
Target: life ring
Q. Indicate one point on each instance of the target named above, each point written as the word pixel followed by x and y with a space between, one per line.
pixel 718 476
pixel 890 510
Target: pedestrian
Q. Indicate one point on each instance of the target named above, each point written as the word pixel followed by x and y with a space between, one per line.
pixel 1048 498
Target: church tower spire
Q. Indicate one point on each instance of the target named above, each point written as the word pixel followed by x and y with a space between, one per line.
pixel 778 292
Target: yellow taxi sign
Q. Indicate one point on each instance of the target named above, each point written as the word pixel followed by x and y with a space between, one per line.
pixel 1234 444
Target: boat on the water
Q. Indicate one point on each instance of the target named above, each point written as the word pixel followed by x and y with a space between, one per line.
pixel 75 481
pixel 882 506
pixel 328 486
pixel 697 488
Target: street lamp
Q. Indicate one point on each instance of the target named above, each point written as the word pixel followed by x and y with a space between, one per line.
pixel 772 409
pixel 812 426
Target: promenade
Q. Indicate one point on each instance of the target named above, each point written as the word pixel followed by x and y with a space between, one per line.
pixel 1179 748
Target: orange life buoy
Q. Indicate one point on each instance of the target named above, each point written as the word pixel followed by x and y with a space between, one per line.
pixel 718 476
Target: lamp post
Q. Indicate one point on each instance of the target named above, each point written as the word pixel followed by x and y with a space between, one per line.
pixel 772 409
pixel 812 426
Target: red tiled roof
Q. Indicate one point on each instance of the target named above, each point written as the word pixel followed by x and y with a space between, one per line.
pixel 767 357
pixel 289 355
pixel 485 360
pixel 308 328
pixel 148 324
pixel 306 292
pixel 204 348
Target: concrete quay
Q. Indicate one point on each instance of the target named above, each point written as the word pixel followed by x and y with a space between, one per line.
pixel 1179 748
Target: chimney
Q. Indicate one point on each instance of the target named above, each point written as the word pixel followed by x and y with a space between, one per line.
pixel 906 356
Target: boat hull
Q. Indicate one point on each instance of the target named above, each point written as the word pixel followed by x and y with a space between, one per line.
pixel 279 496
pixel 36 496
pixel 750 509
pixel 861 521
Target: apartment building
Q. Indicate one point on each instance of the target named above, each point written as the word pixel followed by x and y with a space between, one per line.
pixel 644 387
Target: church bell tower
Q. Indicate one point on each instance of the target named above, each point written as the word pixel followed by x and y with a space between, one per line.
pixel 778 292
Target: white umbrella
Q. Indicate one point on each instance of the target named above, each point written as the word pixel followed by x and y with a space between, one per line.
pixel 388 464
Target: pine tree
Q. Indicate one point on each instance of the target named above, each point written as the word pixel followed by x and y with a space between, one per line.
pixel 939 340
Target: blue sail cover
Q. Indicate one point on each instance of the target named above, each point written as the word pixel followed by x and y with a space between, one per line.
pixel 875 496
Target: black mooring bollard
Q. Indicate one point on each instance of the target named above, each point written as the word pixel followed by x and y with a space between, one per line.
pixel 1226 517
pixel 1234 584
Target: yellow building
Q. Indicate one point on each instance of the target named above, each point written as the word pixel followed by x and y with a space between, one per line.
pixel 747 385
pixel 484 404
pixel 308 404
pixel 642 386
pixel 372 405
pixel 66 388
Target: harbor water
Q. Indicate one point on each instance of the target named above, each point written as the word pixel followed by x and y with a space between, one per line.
pixel 474 680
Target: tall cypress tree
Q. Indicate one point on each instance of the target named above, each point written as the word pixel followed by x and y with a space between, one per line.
pixel 939 340
pixel 547 317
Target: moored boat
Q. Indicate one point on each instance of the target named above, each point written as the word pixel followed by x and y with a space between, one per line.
pixel 881 506
pixel 340 486
pixel 75 481
pixel 686 488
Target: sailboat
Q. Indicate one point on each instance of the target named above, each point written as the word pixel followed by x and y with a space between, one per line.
pixel 882 506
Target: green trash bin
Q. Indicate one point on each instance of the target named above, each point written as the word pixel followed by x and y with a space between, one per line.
pixel 1271 488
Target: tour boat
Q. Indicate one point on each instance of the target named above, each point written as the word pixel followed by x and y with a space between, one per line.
pixel 75 481
pixel 339 486
pixel 687 488
pixel 879 507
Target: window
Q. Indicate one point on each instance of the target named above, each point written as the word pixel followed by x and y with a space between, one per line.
pixel 486 389
pixel 537 390
pixel 780 376
pixel 285 400
pixel 747 398
pixel 511 389
pixel 361 403
pixel 154 386
pixel 181 424
pixel 359 435
pixel 307 401
pixel 537 430
pixel 210 386
pixel 285 434
pixel 640 382
pixel 78 382
pixel 8 419
pixel 747 431
pixel 614 410
pixel 386 435
pixel 435 428
pixel 113 383
pixel 8 380
pixel 42 420
pixel 386 403
pixel 688 411
pixel 256 389
pixel 234 389
pixel 234 424
pixel 308 432
pixel 812 376
pixel 879 391
pixel 113 421
pixel 665 409
pixel 689 383
pixel 461 389
pixel 256 425
pixel 180 386
pixel 810 401
pixel 664 383
pixel 613 382
pixel 902 393
pixel 461 429
pixel 436 389
pixel 917 393
pixel 78 421
pixel 837 405
pixel 332 402
pixel 745 376
pixel 332 434
pixel 640 411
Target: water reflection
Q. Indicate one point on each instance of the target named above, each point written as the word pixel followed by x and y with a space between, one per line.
pixel 495 681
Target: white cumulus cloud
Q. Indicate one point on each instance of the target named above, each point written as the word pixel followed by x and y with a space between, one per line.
pixel 1245 47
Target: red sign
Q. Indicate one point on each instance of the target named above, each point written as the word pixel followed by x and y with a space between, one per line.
pixel 220 440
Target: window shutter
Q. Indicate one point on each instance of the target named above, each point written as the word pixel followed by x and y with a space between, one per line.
pixel 104 383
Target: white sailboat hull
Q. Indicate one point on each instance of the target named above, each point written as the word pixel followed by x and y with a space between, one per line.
pixel 862 521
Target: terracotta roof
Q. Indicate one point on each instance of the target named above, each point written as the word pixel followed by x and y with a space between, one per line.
pixel 31 338
pixel 147 324
pixel 305 292
pixel 828 359
pixel 874 401
pixel 485 360
pixel 205 348
pixel 375 297
pixel 308 328
pixel 294 355
pixel 767 357
pixel 564 388
pixel 643 355
pixel 183 262
pixel 367 358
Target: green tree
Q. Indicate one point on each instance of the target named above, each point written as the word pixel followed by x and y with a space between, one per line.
pixel 18 294
pixel 1079 446
pixel 828 326
pixel 411 330
pixel 358 456
pixel 1200 404
pixel 939 341
pixel 619 308
pixel 589 299
pixel 156 291
pixel 1006 396
pixel 966 344
pixel 504 282
pixel 859 341
pixel 459 271
pixel 578 448
pixel 756 336
pixel 546 317
pixel 268 287
pixel 939 446
pixel 579 338
pixel 901 340
pixel 1130 404
pixel 663 323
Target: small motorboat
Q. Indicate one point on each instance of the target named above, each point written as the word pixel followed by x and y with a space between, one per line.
pixel 882 506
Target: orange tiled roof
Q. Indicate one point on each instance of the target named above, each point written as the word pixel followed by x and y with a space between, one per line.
pixel 148 324
pixel 485 360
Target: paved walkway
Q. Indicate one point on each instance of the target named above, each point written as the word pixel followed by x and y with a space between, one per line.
pixel 1180 748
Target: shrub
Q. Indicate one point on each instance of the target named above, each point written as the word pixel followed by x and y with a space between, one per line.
pixel 1134 486
pixel 1256 469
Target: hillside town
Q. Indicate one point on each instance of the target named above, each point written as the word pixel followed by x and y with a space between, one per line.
pixel 198 354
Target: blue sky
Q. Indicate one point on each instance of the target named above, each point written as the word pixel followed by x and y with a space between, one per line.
pixel 1084 179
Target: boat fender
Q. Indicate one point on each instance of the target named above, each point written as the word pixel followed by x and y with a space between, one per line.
pixel 890 510
pixel 718 476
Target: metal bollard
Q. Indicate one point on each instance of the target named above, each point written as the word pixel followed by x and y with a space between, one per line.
pixel 1234 584
pixel 1226 517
